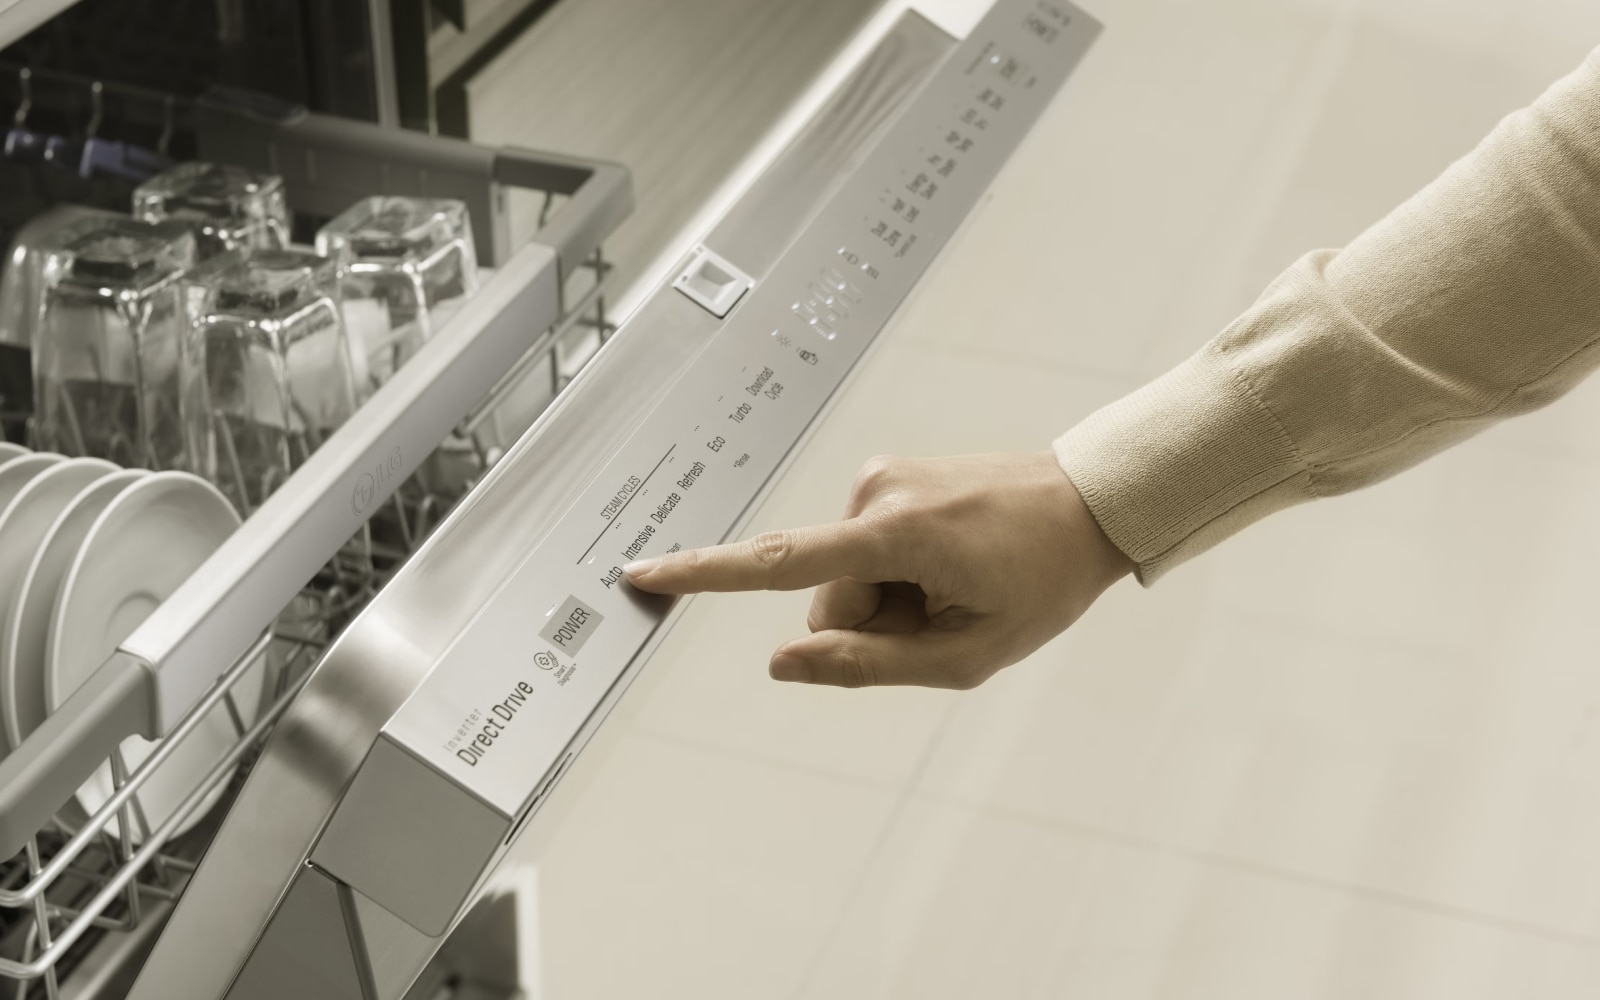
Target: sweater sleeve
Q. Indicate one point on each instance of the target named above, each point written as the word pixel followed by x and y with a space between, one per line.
pixel 1477 299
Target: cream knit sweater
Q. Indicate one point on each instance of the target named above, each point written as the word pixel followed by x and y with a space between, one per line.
pixel 1477 299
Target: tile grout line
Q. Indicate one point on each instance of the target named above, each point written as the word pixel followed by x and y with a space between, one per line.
pixel 907 793
pixel 777 763
pixel 1214 859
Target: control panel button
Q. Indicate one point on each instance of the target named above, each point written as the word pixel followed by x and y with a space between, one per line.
pixel 713 282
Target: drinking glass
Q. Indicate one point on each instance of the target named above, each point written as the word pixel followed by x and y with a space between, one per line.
pixel 399 260
pixel 20 285
pixel 270 376
pixel 21 295
pixel 108 346
pixel 230 208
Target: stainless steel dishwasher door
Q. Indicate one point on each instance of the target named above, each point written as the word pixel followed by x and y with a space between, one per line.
pixel 386 809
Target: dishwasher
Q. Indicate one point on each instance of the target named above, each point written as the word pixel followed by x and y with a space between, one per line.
pixel 370 814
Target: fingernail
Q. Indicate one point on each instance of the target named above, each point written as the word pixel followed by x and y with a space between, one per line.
pixel 641 567
pixel 787 667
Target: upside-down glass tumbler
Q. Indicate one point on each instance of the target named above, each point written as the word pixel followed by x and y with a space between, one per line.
pixel 271 376
pixel 108 345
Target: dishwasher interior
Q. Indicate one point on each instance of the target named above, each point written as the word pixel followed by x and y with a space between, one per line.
pixel 324 852
pixel 80 903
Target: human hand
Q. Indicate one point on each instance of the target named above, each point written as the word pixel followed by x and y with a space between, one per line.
pixel 943 571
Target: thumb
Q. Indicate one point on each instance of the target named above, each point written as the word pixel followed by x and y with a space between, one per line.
pixel 846 658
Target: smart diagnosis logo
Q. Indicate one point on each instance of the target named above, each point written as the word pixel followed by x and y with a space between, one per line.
pixel 545 661
pixel 361 497
pixel 385 471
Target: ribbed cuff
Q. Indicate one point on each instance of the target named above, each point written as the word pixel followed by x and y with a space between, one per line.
pixel 1179 465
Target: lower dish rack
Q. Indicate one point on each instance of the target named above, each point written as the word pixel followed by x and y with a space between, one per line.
pixel 80 904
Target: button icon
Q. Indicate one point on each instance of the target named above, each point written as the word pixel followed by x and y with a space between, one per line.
pixel 809 357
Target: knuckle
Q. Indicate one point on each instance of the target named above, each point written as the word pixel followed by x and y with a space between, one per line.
pixel 894 523
pixel 877 467
pixel 893 539
pixel 771 549
pixel 875 475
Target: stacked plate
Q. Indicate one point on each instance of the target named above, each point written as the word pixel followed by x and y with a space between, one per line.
pixel 87 552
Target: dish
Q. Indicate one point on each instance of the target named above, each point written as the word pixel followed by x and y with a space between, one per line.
pixel 8 451
pixel 141 548
pixel 24 522
pixel 18 472
pixel 25 631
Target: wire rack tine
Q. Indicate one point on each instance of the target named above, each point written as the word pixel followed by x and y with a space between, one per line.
pixel 114 886
pixel 164 749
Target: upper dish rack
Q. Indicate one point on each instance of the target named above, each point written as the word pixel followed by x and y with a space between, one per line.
pixel 509 348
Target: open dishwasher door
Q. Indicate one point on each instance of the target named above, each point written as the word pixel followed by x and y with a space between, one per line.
pixel 372 851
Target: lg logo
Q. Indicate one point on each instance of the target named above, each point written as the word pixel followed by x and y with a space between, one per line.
pixel 368 484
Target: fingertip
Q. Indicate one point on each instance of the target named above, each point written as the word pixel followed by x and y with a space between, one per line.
pixel 791 668
pixel 640 567
pixel 645 575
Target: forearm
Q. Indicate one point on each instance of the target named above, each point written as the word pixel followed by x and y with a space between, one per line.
pixel 1477 299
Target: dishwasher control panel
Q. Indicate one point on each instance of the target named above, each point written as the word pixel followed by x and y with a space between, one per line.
pixel 463 764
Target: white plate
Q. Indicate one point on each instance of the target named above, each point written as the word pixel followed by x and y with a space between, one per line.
pixel 17 472
pixel 23 524
pixel 24 635
pixel 8 451
pixel 140 549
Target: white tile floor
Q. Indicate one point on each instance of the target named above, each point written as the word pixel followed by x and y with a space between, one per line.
pixel 1353 753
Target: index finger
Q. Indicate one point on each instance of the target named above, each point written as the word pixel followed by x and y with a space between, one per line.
pixel 775 560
